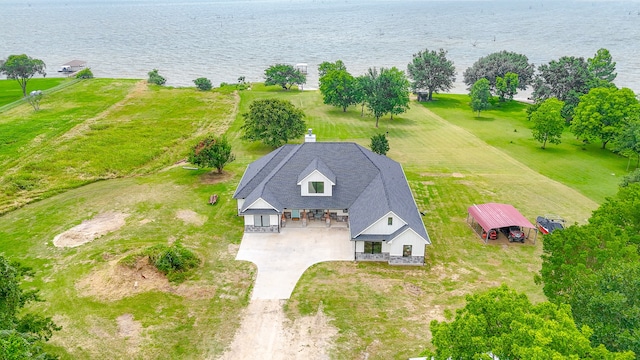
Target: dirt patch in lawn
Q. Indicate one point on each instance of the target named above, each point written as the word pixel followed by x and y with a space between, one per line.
pixel 90 230
pixel 117 281
pixel 266 333
pixel 213 177
pixel 191 217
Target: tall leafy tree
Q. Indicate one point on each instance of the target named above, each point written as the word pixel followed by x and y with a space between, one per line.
pixel 565 79
pixel 327 66
pixel 284 75
pixel 628 141
pixel 480 95
pixel 379 144
pixel 507 87
pixel 431 71
pixel 339 88
pixel 548 122
pixel 499 64
pixel 609 303
pixel 273 121
pixel 386 92
pixel 212 151
pixel 21 334
pixel 503 324
pixel 22 68
pixel 602 68
pixel 603 113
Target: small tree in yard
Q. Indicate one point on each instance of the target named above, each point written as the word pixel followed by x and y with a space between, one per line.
pixel 213 152
pixel 22 68
pixel 284 75
pixel 548 122
pixel 156 78
pixel 480 95
pixel 203 84
pixel 379 144
pixel 507 87
pixel 273 121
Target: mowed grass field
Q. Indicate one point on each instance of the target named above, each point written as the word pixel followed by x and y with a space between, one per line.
pixel 135 134
pixel 11 91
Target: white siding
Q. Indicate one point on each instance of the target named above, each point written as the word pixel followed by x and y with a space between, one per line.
pixel 273 220
pixel 382 227
pixel 316 176
pixel 240 203
pixel 248 220
pixel 260 204
pixel 408 237
pixel 386 247
pixel 359 246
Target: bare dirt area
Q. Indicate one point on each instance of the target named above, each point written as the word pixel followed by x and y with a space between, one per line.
pixel 212 177
pixel 131 330
pixel 90 230
pixel 191 217
pixel 117 281
pixel 267 334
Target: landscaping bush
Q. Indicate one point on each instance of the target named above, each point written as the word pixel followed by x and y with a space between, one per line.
pixel 156 78
pixel 84 74
pixel 173 261
pixel 203 84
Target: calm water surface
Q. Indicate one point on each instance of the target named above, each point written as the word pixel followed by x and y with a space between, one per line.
pixel 222 40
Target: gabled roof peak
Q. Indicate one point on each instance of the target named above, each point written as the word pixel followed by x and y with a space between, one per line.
pixel 319 165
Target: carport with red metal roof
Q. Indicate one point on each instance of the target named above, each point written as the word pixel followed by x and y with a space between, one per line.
pixel 493 216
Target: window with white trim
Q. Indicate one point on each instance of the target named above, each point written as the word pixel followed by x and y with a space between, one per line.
pixel 389 221
pixel 406 250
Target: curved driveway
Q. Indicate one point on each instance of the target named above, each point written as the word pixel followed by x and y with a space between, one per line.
pixel 282 258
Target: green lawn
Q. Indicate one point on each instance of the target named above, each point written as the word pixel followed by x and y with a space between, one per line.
pixel 11 91
pixel 130 135
pixel 101 129
pixel 589 169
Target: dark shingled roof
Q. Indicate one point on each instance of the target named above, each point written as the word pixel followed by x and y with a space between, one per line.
pixel 367 184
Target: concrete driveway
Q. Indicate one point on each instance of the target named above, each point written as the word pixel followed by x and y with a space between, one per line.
pixel 282 258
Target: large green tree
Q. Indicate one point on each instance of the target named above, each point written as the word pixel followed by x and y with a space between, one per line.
pixel 565 79
pixel 480 95
pixel 627 142
pixel 273 121
pixel 339 88
pixel 22 68
pixel 284 75
pixel 212 151
pixel 21 334
pixel 499 64
pixel 386 92
pixel 603 113
pixel 602 68
pixel 507 86
pixel 594 268
pixel 327 66
pixel 504 324
pixel 431 71
pixel 548 122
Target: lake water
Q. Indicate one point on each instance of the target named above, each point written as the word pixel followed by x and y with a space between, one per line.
pixel 222 40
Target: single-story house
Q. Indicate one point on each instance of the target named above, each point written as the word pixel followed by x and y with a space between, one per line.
pixel 341 182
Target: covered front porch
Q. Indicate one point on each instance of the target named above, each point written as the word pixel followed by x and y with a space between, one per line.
pixel 299 218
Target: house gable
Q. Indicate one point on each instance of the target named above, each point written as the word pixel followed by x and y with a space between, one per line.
pixel 386 225
pixel 316 179
pixel 260 203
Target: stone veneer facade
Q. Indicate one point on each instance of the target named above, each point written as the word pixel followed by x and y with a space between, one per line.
pixel 261 229
pixel 393 260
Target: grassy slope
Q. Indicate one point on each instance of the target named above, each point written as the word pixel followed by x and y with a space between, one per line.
pixel 11 91
pixel 592 171
pixel 380 310
pixel 100 129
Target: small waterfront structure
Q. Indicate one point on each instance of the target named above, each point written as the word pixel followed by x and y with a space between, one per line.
pixel 73 66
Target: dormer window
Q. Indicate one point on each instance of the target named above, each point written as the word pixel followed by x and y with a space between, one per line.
pixel 316 187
